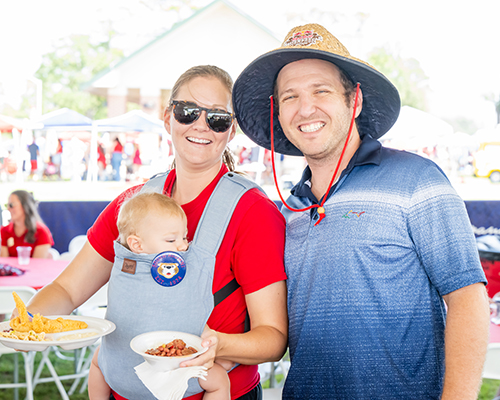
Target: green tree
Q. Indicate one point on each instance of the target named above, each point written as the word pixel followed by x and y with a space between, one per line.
pixel 74 61
pixel 406 74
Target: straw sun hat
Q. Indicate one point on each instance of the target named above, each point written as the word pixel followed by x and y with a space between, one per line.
pixel 381 103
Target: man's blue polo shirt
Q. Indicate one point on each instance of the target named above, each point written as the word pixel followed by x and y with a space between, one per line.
pixel 365 286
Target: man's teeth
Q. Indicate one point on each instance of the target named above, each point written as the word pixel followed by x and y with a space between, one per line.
pixel 311 127
pixel 197 140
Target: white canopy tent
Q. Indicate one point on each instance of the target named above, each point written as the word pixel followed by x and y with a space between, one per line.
pixel 416 129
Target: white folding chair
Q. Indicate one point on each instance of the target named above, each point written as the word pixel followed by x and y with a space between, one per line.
pixel 66 256
pixel 94 306
pixel 272 393
pixel 7 304
pixel 81 370
pixel 54 254
pixel 269 371
pixel 491 369
pixel 76 244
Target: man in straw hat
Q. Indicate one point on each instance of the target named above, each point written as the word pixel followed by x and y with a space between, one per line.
pixel 379 245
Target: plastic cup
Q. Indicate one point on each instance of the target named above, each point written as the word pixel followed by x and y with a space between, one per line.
pixel 23 255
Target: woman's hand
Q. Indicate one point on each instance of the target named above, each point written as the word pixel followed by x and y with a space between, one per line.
pixel 210 339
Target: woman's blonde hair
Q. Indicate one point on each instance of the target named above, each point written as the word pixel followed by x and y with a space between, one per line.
pixel 205 71
pixel 137 207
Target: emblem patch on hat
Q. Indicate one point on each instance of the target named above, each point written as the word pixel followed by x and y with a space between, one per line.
pixel 303 38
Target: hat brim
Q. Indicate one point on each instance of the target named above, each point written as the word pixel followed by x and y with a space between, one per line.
pixel 255 85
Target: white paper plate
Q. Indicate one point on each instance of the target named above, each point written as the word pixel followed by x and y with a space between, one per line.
pixel 99 326
pixel 151 340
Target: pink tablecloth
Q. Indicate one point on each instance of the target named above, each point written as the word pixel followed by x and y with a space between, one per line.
pixel 39 272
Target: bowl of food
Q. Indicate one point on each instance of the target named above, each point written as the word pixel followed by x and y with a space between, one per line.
pixel 165 350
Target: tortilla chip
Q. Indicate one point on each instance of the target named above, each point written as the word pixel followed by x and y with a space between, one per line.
pixel 40 323
pixel 21 308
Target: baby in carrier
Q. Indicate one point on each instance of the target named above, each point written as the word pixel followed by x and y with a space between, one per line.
pixel 152 223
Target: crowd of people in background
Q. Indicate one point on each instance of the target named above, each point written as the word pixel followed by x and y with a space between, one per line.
pixel 119 158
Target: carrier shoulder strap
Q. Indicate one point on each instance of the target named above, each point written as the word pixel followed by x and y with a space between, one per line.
pixel 215 218
pixel 156 183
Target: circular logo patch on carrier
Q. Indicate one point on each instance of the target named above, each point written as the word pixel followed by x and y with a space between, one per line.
pixel 168 268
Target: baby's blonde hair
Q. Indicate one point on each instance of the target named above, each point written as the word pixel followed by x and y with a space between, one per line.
pixel 135 209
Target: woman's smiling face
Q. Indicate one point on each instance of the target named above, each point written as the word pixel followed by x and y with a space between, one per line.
pixel 196 145
pixel 16 211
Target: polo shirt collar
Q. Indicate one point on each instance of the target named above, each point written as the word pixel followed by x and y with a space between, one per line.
pixel 367 153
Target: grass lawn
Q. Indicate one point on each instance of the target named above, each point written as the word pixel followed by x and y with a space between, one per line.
pixel 43 391
pixel 488 389
pixel 48 391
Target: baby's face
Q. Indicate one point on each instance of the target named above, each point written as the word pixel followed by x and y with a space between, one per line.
pixel 163 233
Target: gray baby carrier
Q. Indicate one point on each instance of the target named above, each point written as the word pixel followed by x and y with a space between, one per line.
pixel 138 304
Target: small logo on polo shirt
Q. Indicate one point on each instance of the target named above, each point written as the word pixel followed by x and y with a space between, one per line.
pixel 351 214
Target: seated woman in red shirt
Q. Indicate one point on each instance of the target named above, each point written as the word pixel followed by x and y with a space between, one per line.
pixel 26 228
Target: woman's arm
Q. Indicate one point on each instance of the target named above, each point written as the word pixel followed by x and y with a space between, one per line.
pixel 41 251
pixel 266 341
pixel 260 226
pixel 84 276
pixel 4 251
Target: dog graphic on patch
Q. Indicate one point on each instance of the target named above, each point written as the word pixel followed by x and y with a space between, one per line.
pixel 168 270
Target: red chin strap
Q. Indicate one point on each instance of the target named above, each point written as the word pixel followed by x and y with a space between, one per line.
pixel 321 209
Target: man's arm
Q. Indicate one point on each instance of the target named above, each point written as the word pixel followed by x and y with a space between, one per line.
pixel 466 341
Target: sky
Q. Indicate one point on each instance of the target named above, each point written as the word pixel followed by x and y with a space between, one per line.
pixel 456 43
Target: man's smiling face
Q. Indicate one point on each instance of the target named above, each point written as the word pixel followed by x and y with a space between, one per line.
pixel 312 108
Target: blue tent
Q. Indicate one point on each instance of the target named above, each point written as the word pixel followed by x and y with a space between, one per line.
pixel 133 121
pixel 65 119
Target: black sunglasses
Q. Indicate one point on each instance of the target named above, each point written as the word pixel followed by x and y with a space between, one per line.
pixel 186 112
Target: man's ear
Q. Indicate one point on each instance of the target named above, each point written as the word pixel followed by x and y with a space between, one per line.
pixel 233 130
pixel 360 102
pixel 134 244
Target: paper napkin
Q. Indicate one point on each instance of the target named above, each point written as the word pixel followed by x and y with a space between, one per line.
pixel 168 385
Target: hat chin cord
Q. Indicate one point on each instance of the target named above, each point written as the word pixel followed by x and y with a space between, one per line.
pixel 321 209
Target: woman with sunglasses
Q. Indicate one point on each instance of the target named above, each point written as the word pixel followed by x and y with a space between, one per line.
pixel 26 228
pixel 247 317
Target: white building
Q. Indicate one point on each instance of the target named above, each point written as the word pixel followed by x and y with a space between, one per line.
pixel 218 34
